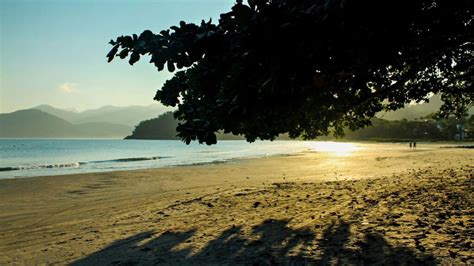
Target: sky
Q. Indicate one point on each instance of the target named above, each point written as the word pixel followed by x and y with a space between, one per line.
pixel 54 52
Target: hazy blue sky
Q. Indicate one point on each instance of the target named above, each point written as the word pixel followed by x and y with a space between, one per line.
pixel 53 52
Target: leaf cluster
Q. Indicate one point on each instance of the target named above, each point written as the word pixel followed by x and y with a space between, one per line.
pixel 309 67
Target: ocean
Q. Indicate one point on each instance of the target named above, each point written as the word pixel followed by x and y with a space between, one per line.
pixel 44 157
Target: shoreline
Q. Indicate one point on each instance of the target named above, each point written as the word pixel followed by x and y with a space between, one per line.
pixel 70 165
pixel 95 217
pixel 215 162
pixel 132 157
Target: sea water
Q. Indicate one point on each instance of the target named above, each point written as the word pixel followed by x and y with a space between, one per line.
pixel 43 157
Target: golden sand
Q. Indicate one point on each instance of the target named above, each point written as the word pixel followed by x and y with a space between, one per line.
pixel 387 205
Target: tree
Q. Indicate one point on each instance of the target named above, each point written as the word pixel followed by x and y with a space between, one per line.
pixel 309 67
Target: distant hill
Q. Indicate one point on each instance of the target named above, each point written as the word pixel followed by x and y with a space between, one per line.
pixel 416 111
pixel 128 116
pixel 164 127
pixel 67 115
pixel 424 129
pixel 34 123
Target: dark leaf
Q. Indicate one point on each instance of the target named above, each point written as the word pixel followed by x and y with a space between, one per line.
pixel 112 53
pixel 134 58
pixel 123 54
pixel 171 67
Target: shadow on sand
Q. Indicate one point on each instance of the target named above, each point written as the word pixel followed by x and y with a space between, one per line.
pixel 273 242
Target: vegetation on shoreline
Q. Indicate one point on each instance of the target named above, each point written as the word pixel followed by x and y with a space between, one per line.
pixel 429 129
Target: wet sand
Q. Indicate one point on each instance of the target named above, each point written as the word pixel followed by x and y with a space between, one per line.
pixel 383 204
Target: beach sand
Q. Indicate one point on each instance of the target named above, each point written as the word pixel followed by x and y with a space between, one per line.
pixel 390 205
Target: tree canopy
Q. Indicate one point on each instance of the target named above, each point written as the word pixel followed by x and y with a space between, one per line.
pixel 309 67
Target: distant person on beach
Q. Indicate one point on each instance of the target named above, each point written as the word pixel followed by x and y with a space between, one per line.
pixel 414 145
pixel 410 145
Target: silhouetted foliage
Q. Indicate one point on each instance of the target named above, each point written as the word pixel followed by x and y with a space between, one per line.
pixel 309 67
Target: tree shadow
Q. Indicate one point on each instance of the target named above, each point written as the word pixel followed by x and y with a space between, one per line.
pixel 133 251
pixel 272 242
pixel 372 250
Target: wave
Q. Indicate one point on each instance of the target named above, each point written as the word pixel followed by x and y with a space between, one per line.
pixel 78 164
pixel 40 166
pixel 133 159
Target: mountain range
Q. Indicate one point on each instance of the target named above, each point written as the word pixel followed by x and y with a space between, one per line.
pixel 127 116
pixel 45 121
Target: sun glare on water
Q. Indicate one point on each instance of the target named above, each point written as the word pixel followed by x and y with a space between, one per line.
pixel 335 148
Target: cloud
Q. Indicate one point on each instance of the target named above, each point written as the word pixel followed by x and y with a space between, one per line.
pixel 67 87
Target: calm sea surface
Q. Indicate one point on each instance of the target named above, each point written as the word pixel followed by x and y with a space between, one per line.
pixel 41 157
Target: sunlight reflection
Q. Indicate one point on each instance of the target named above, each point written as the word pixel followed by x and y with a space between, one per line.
pixel 336 148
